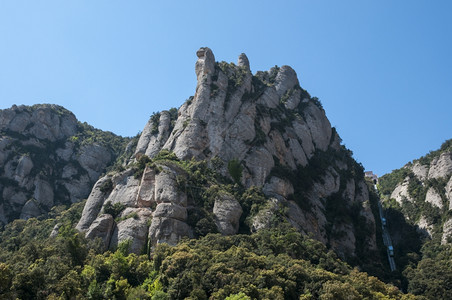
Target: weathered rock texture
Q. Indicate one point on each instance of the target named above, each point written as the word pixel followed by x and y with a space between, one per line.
pixel 427 186
pixel 259 130
pixel 46 159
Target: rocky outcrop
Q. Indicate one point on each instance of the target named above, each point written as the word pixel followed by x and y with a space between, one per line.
pixel 425 227
pixel 259 130
pixel 151 206
pixel 420 170
pixel 447 232
pixel 400 193
pixel 427 185
pixel 441 166
pixel 47 158
pixel 227 212
pixel 434 198
pixel 448 192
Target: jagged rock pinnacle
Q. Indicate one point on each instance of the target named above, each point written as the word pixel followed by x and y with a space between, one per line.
pixel 243 61
pixel 205 63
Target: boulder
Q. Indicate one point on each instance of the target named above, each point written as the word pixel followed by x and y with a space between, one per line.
pixel 134 229
pixel 93 205
pixel 101 228
pixel 30 210
pixel 170 210
pixel 168 230
pixel 166 188
pixel 227 212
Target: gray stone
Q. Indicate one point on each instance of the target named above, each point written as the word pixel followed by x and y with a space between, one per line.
pixel 43 193
pixel 319 126
pixel 243 61
pixel 168 230
pixel 55 230
pixel 146 192
pixel 227 212
pixel 285 80
pixel 434 198
pixel 133 229
pixel 78 188
pixel 263 219
pixel 441 166
pixel 170 210
pixel 401 191
pixel 30 210
pixel 304 135
pixel 278 187
pixel 66 152
pixel 260 162
pixel 166 188
pixel 424 227
pixel 125 189
pixel 448 190
pixel 447 232
pixel 419 170
pixel 158 141
pixel 93 158
pixel 101 228
pixel 269 98
pixel 206 62
pixel 93 205
pixel 23 167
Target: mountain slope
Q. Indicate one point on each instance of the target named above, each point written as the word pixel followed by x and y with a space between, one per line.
pixel 48 158
pixel 417 200
pixel 245 153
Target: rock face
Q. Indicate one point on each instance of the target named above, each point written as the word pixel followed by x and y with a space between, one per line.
pixel 46 160
pixel 400 193
pixel 259 131
pixel 427 185
pixel 441 166
pixel 434 198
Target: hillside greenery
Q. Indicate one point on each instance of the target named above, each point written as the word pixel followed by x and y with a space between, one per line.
pixel 423 263
pixel 271 264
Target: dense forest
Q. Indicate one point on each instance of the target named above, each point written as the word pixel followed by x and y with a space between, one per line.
pixel 271 264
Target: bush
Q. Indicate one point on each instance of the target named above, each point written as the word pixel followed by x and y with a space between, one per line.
pixel 235 170
pixel 107 186
pixel 114 209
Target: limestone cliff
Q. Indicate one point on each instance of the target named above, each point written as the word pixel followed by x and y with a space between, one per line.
pixel 245 152
pixel 47 158
pixel 422 190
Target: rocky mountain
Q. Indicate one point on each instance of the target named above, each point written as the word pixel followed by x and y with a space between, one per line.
pixel 48 158
pixel 246 152
pixel 422 191
pixel 417 200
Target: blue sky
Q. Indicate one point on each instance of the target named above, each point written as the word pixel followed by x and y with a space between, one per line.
pixel 382 69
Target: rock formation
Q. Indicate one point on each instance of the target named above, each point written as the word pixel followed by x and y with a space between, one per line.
pixel 427 186
pixel 258 131
pixel 46 159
